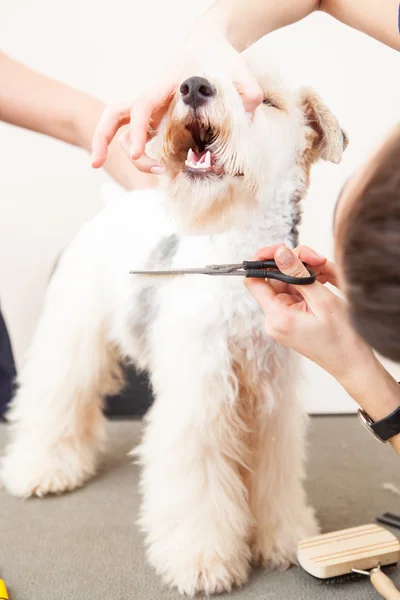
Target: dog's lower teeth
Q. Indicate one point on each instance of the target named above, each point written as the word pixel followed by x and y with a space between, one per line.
pixel 199 166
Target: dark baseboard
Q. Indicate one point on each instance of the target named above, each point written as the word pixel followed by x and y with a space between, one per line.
pixel 134 400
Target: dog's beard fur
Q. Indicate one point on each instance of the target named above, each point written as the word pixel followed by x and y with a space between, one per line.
pixel 208 199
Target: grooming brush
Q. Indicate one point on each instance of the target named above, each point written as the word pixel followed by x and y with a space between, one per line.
pixel 352 552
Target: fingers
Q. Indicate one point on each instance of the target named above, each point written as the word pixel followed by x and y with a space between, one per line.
pixel 306 254
pixel 111 120
pixel 247 86
pixel 282 322
pixel 150 108
pixel 316 294
pixel 145 110
pixel 329 274
pixel 261 291
pixel 267 253
pixel 309 256
pixel 144 163
pixel 140 120
pixel 289 263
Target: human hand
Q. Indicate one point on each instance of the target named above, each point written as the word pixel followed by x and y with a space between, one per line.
pixel 150 106
pixel 310 319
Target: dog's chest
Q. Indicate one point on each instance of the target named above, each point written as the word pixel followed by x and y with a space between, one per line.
pixel 218 303
pixel 214 316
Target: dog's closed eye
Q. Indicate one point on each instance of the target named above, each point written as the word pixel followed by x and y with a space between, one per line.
pixel 269 100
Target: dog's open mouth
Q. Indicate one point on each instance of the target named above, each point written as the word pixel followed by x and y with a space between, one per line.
pixel 200 160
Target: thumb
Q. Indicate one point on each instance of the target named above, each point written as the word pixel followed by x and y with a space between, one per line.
pixel 315 294
pixel 289 263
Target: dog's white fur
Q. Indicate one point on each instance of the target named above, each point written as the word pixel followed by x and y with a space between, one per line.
pixel 223 449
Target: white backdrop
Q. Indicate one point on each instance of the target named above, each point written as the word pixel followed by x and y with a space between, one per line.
pixel 48 189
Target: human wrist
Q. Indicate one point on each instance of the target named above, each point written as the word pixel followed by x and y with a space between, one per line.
pixel 376 391
pixel 212 26
pixel 373 388
pixel 395 443
pixel 223 23
pixel 85 120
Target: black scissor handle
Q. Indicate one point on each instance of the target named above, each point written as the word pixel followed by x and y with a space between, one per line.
pixel 261 269
pixel 259 264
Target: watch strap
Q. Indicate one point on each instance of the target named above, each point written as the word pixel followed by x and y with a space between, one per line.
pixel 387 427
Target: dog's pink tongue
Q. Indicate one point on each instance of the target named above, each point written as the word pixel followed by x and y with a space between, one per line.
pixel 200 157
pixel 196 157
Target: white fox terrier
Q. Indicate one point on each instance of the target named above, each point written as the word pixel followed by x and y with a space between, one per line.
pixel 223 447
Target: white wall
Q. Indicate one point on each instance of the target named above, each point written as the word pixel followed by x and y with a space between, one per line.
pixel 48 189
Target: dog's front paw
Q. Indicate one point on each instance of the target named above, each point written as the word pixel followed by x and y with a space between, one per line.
pixel 276 549
pixel 274 559
pixel 208 576
pixel 38 473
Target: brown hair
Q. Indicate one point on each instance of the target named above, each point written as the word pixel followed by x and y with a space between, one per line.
pixel 371 254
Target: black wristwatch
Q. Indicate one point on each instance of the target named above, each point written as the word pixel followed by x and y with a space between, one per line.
pixel 384 429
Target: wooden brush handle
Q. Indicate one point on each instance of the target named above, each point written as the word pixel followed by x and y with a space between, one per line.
pixel 384 586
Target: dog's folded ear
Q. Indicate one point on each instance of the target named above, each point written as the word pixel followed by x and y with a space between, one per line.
pixel 326 138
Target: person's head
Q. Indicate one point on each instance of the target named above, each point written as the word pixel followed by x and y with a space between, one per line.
pixel 367 239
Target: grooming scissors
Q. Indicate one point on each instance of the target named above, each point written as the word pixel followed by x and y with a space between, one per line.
pixel 255 269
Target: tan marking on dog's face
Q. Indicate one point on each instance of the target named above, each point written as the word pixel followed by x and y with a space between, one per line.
pixel 247 153
pixel 182 129
pixel 325 139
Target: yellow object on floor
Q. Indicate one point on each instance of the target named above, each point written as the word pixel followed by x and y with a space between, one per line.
pixel 3 591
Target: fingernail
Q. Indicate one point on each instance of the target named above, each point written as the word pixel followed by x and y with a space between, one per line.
pixel 284 256
pixel 157 170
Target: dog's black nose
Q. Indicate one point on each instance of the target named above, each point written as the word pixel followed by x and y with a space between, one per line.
pixel 196 91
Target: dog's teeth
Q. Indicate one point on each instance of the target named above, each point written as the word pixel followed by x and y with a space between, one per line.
pixel 198 165
pixel 207 160
pixel 190 155
pixel 193 165
pixel 202 134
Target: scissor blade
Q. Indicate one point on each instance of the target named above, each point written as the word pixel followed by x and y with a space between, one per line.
pixel 188 271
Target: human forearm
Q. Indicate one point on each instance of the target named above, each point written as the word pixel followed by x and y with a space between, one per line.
pixel 117 163
pixel 36 102
pixel 243 23
pixel 33 101
pixel 377 18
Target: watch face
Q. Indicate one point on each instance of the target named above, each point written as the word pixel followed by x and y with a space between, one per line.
pixel 367 422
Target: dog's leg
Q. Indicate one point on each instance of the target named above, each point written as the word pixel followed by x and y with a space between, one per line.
pixel 278 500
pixel 195 510
pixel 57 427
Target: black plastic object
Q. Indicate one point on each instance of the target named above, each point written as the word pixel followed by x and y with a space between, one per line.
pixel 268 269
pixel 389 519
pixel 387 427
